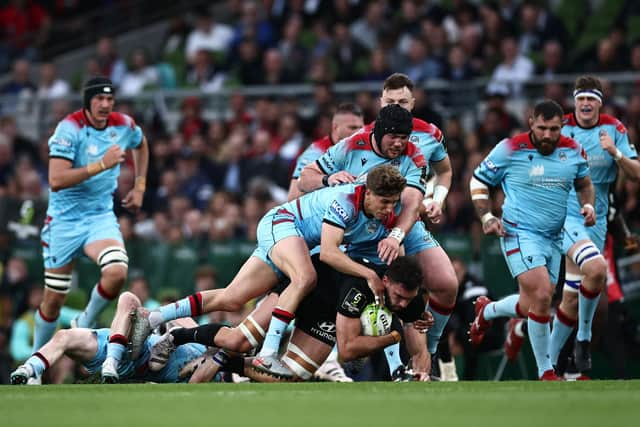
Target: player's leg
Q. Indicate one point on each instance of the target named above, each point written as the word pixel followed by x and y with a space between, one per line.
pixel 80 344
pixel 566 316
pixel 111 257
pixel 536 293
pixel 118 338
pixel 439 279
pixel 57 282
pixel 305 353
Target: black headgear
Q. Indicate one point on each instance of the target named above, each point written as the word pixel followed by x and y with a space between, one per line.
pixel 392 119
pixel 94 87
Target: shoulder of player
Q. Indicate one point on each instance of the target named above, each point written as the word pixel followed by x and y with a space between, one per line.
pixel 415 154
pixel 420 126
pixel 357 141
pixel 75 120
pixel 569 119
pixel 566 142
pixel 321 144
pixel 521 141
pixel 606 119
pixel 121 119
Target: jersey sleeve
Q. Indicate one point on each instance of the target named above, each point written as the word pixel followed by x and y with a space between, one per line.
pixel 353 296
pixel 341 212
pixel 622 142
pixel 416 176
pixel 492 169
pixel 308 156
pixel 439 153
pixel 135 135
pixel 335 159
pixel 64 141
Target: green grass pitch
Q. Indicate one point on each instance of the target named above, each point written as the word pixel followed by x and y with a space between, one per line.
pixel 492 404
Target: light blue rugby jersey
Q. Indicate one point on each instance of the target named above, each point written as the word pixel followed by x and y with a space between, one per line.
pixel 341 206
pixel 356 156
pixel 602 167
pixel 311 154
pixel 536 187
pixel 76 140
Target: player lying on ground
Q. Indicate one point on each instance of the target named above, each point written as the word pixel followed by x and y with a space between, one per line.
pixel 330 313
pixel 104 349
pixel 328 218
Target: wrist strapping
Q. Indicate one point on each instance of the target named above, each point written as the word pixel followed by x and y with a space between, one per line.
pixel 440 193
pixel 618 156
pixel 486 217
pixel 95 168
pixel 397 233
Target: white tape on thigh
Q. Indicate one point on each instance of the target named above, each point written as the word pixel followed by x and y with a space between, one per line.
pixel 585 253
pixel 572 282
pixel 298 369
pixel 249 335
pixel 113 255
pixel 60 283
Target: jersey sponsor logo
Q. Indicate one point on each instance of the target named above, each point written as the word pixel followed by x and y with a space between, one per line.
pixel 360 142
pixel 363 161
pixel 339 210
pixel 354 301
pixel 92 150
pixel 488 163
pixel 113 135
pixel 562 156
pixel 414 138
pixel 537 170
pixel 372 226
pixel 327 326
pixel 395 163
pixel 62 142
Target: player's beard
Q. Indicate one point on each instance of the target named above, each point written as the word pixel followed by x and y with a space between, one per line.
pixel 545 146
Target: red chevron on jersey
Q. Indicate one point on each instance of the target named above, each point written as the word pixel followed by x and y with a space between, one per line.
pixel 431 129
pixel 521 141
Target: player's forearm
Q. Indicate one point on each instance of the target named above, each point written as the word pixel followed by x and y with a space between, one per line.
pixel 480 197
pixel 416 344
pixel 294 192
pixel 630 167
pixel 333 256
pixel 585 191
pixel 141 159
pixel 61 179
pixel 310 179
pixel 444 173
pixel 362 345
pixel 411 200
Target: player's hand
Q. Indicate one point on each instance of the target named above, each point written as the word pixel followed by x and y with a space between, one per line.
pixel 589 214
pixel 114 156
pixel 493 226
pixel 377 287
pixel 422 376
pixel 388 249
pixel 133 200
pixel 606 142
pixel 432 210
pixel 422 325
pixel 341 177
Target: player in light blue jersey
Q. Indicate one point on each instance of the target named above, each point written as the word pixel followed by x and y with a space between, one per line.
pixel 346 121
pixel 85 153
pixel 90 348
pixel 537 171
pixel 285 235
pixel 608 149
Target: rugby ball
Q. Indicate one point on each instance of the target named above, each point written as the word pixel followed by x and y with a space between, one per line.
pixel 375 320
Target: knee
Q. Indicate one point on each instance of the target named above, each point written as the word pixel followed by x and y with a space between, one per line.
pixel 543 296
pixel 238 342
pixel 596 271
pixel 305 282
pixel 115 275
pixel 128 301
pixel 61 336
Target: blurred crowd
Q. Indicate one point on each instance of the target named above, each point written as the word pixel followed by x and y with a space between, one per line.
pixel 212 180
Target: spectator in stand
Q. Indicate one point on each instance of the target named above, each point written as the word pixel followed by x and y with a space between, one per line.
pixel 290 140
pixel 263 163
pixel 606 60
pixel 552 60
pixel 346 52
pixel 538 26
pixel 20 83
pixel 379 68
pixel 293 53
pixel 109 63
pixel 139 286
pixel 6 164
pixel 556 92
pixel 238 112
pixel 254 24
pixel 140 74
pixel 191 121
pixel 365 30
pixel 25 26
pixel 207 36
pixel 50 86
pixel 421 65
pixel 458 67
pixel 247 68
pixel 496 99
pixel 515 68
pixel 194 184
pixel 20 145
pixel 273 69
pixel 204 74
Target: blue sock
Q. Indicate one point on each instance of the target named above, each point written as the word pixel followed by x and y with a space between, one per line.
pixel 116 346
pixel 98 301
pixel 43 330
pixel 587 304
pixel 539 335
pixel 185 307
pixel 562 328
pixel 505 307
pixel 37 364
pixel 279 322
pixel 441 316
pixel 392 352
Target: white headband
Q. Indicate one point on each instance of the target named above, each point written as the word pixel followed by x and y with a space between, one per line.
pixel 588 93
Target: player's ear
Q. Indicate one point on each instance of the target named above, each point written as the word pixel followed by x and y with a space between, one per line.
pixel 530 122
